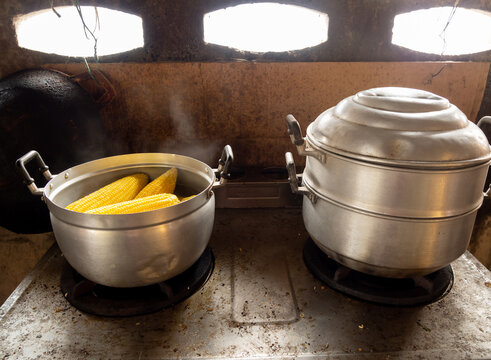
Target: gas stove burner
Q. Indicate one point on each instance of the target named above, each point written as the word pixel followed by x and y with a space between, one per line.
pixel 102 300
pixel 414 291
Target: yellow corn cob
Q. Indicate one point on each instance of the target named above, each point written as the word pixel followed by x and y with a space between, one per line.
pixel 115 192
pixel 164 184
pixel 147 203
pixel 186 198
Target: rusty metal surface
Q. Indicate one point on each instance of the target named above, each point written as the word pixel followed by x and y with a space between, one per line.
pixel 194 109
pixel 261 302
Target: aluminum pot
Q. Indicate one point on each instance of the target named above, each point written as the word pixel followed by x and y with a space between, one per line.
pixel 392 182
pixel 138 249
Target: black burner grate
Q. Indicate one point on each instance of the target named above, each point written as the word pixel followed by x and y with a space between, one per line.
pixel 386 291
pixel 102 300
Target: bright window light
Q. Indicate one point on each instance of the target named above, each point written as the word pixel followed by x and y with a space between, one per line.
pixel 443 31
pixel 44 31
pixel 265 27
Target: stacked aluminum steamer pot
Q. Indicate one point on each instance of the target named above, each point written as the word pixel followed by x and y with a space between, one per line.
pixel 392 182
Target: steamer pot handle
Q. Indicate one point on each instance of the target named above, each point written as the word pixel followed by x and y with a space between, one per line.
pixel 294 179
pixel 299 141
pixel 224 167
pixel 485 125
pixel 28 180
pixel 294 130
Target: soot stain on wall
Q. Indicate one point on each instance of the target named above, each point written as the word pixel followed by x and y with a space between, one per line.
pixel 196 108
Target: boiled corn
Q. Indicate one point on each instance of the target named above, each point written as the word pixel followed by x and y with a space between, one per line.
pixel 147 203
pixel 186 198
pixel 120 190
pixel 164 184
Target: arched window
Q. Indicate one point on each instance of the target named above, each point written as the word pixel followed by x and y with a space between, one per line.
pixel 443 31
pixel 265 27
pixel 63 33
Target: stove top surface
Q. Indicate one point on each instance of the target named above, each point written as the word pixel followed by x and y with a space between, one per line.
pixel 261 301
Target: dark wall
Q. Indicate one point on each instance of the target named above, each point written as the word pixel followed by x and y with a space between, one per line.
pixel 359 30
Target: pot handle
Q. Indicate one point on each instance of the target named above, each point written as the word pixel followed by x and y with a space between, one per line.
pixel 224 167
pixel 299 141
pixel 294 179
pixel 28 180
pixel 294 130
pixel 485 125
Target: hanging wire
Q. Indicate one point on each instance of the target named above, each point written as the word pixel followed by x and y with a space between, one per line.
pixel 86 28
pixel 443 34
pixel 89 70
pixel 92 34
pixel 54 10
pixel 97 26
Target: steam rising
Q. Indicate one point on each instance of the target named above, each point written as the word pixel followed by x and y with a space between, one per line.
pixel 186 128
pixel 147 119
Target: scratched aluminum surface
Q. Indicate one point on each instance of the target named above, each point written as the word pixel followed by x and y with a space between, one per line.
pixel 261 302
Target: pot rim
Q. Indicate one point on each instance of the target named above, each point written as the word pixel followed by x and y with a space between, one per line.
pixel 403 164
pixel 126 164
pixel 389 217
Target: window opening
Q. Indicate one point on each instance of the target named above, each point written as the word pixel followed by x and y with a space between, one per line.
pixel 266 27
pixel 62 31
pixel 443 30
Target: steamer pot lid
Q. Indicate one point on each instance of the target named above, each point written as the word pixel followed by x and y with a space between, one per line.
pixel 400 125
